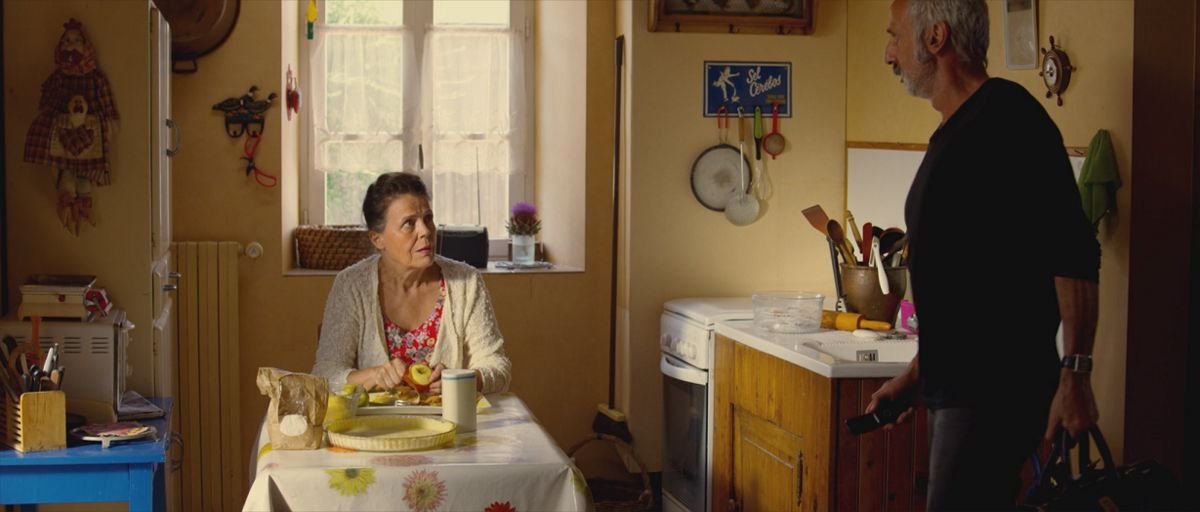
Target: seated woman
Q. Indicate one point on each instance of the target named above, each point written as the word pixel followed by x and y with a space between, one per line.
pixel 406 304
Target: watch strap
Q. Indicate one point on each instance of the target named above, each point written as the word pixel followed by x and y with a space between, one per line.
pixel 1078 363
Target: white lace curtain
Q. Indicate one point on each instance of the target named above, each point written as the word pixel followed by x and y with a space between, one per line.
pixel 466 110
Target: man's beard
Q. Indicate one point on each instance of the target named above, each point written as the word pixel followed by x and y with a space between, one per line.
pixel 919 84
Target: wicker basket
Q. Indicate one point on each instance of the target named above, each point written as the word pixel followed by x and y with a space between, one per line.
pixel 331 247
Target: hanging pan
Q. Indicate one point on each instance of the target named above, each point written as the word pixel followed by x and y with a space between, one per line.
pixel 197 28
pixel 719 173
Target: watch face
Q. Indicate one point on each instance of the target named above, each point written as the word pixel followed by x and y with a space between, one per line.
pixel 1050 71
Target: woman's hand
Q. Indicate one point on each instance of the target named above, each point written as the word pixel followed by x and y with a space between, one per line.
pixel 387 376
pixel 435 380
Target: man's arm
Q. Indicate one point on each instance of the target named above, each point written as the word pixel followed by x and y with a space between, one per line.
pixel 1074 406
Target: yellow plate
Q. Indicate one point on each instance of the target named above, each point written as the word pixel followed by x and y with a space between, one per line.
pixel 391 433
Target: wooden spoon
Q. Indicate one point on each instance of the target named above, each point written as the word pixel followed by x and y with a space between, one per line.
pixel 888 239
pixel 896 246
pixel 839 239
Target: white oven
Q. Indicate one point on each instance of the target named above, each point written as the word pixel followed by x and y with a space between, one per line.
pixel 687 355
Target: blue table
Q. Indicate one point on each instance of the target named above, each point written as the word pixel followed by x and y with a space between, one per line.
pixel 127 471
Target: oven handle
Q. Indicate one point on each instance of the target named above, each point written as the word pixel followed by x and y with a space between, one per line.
pixel 675 371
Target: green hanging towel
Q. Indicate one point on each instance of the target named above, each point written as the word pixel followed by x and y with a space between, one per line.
pixel 1098 181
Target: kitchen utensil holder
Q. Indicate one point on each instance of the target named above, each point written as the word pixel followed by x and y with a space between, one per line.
pixel 861 286
pixel 36 422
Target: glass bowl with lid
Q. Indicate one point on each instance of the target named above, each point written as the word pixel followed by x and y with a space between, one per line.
pixel 789 312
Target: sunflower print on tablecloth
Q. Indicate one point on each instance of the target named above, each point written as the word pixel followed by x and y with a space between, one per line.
pixel 351 481
pixel 423 491
pixel 496 506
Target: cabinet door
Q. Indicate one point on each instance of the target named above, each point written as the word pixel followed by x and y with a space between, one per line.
pixel 768 472
pixel 164 135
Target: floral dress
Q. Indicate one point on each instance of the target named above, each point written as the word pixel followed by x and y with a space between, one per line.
pixel 416 346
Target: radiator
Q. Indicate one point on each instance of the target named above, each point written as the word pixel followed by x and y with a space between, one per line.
pixel 207 388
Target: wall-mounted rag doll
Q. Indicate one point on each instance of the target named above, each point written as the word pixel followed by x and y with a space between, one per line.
pixel 76 118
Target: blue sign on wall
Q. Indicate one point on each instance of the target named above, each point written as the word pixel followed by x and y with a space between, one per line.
pixel 747 85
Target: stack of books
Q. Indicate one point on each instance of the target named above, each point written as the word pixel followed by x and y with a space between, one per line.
pixel 56 296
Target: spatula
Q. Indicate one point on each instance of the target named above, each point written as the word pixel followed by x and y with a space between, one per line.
pixel 868 235
pixel 816 216
pixel 852 227
pixel 883 282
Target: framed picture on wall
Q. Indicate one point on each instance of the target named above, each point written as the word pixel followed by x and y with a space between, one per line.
pixel 1020 34
pixel 732 16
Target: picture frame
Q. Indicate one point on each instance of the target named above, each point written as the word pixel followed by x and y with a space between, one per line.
pixel 732 16
pixel 1020 34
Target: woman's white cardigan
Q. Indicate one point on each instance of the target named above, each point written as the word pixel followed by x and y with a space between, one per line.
pixel 352 330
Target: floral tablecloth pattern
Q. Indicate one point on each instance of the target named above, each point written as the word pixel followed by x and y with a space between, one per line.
pixel 509 464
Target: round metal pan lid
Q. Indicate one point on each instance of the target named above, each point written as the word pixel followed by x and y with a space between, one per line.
pixel 715 177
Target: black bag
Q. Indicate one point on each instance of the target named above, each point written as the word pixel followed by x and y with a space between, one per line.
pixel 1145 485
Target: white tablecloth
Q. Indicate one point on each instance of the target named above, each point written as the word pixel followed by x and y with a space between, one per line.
pixel 508 464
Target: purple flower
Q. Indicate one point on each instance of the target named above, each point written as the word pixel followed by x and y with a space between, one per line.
pixel 523 209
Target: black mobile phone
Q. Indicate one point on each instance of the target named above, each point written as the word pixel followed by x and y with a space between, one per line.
pixel 885 413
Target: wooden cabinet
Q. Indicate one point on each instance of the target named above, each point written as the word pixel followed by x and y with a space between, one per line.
pixel 780 441
pixel 127 247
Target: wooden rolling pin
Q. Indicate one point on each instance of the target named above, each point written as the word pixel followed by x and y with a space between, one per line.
pixel 850 322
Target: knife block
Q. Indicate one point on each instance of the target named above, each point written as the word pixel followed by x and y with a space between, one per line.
pixel 36 422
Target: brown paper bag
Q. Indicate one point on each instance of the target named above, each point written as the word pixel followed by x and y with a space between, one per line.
pixel 297 410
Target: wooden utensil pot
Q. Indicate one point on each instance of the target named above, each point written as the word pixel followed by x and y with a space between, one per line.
pixel 861 286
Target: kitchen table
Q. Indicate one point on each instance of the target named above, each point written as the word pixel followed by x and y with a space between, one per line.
pixel 129 471
pixel 508 464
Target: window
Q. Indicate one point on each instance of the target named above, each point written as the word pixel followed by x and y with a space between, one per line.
pixel 435 87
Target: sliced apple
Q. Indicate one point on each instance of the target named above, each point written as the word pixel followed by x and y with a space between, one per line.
pixel 418 376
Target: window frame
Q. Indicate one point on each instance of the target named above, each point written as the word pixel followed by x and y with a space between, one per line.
pixel 418 17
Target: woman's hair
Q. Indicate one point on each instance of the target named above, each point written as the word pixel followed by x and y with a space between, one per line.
pixel 968 22
pixel 386 188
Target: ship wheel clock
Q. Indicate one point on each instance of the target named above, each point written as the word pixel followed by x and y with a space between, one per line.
pixel 1056 71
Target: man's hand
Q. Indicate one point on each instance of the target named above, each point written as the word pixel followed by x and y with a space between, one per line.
pixel 1074 406
pixel 902 387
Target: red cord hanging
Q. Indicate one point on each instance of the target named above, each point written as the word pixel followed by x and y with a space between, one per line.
pixel 250 149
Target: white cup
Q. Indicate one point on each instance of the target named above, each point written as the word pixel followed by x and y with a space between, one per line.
pixel 458 398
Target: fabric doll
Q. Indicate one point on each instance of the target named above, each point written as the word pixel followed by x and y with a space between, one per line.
pixel 75 122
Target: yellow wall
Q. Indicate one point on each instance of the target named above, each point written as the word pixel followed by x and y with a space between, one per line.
pixel 555 325
pixel 1098 37
pixel 681 249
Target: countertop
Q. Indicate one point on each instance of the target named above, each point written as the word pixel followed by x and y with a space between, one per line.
pixel 812 351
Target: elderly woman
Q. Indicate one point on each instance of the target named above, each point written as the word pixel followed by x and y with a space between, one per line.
pixel 407 305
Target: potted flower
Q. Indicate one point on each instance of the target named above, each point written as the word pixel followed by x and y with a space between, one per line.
pixel 522 226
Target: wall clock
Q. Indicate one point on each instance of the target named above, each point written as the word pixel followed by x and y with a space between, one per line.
pixel 1056 71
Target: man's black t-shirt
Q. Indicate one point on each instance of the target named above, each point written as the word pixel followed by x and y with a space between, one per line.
pixel 993 216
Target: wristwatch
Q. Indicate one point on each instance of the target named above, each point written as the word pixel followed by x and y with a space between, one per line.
pixel 1078 363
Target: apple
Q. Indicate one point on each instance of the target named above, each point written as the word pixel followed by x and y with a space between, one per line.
pixel 418 376
pixel 355 392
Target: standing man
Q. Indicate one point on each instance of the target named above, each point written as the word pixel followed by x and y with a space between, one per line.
pixel 1000 251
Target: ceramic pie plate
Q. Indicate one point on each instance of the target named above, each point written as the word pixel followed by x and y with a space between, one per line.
pixel 481 404
pixel 105 440
pixel 390 433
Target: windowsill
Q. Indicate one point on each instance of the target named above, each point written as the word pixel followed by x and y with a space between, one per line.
pixel 557 269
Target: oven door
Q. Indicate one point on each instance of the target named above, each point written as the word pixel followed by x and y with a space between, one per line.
pixel 685 413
